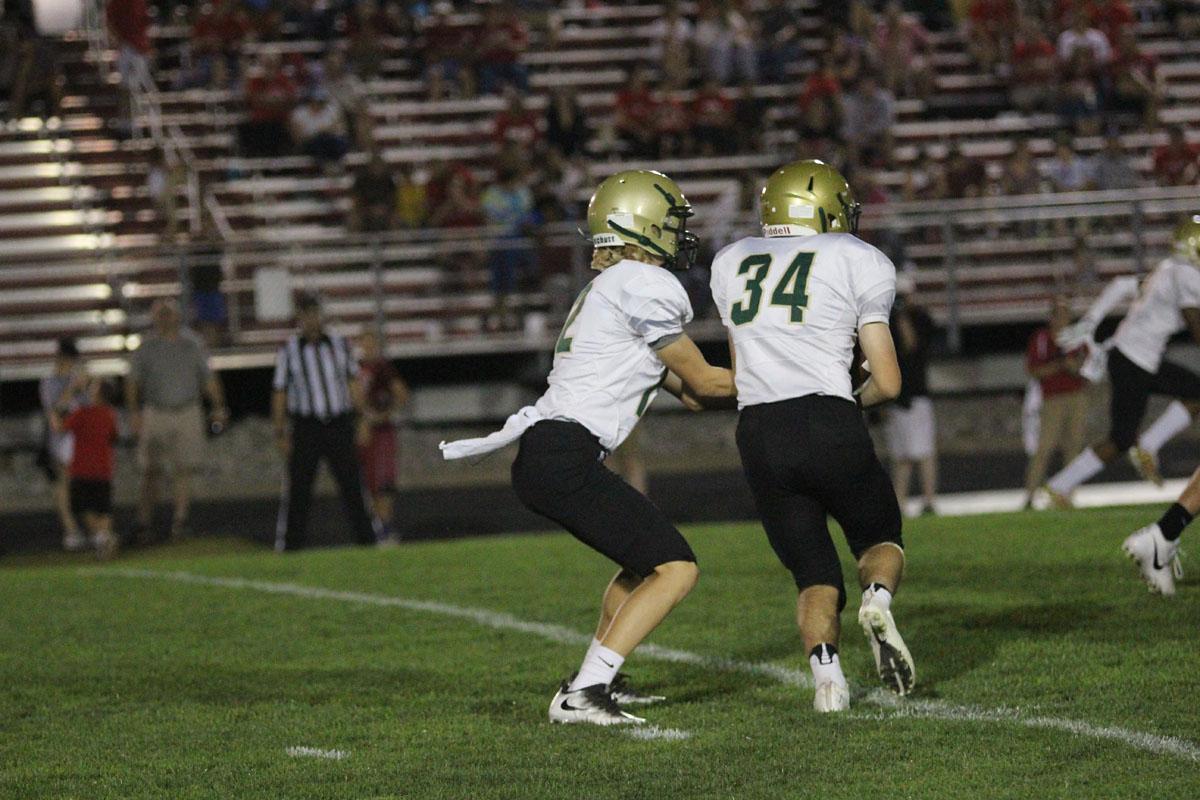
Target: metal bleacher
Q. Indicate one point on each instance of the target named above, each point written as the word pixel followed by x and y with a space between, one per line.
pixel 82 248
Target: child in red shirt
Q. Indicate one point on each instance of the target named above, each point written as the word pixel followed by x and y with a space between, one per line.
pixel 94 426
pixel 385 394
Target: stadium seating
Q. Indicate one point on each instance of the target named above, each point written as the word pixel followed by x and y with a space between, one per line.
pixel 82 249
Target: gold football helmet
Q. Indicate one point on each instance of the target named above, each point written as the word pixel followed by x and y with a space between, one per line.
pixel 1187 239
pixel 643 208
pixel 808 196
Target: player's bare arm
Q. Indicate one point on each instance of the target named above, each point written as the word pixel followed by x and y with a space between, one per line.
pixel 684 359
pixel 875 339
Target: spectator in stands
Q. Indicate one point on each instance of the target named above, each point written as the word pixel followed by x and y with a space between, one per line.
pixel 1068 171
pixel 911 431
pixel 779 35
pixel 503 39
pixel 566 126
pixel 1183 16
pixel 344 87
pixel 1021 175
pixel 712 120
pixel 454 198
pixel 1082 36
pixel 314 420
pixel 1134 80
pixel 164 177
pixel 412 205
pixel 129 29
pixel 508 206
pixel 636 112
pixel 219 30
pixel 672 122
pixel 319 128
pixel 671 43
pixel 1079 94
pixel 373 195
pixel 868 113
pixel 965 176
pixel 1064 407
pixel 210 312
pixel 62 392
pixel 1034 77
pixel 269 96
pixel 384 395
pixel 516 124
pixel 848 55
pixel 1110 17
pixel 168 375
pixel 1112 169
pixel 925 179
pixel 749 118
pixel 990 28
pixel 1084 274
pixel 903 47
pixel 1177 163
pixel 446 51
pixel 724 42
pixel 366 29
pixel 30 77
pixel 820 104
pixel 93 430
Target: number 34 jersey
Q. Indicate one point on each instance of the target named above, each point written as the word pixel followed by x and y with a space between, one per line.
pixel 606 371
pixel 794 305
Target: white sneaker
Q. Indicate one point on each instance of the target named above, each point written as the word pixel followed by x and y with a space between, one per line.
pixel 1157 559
pixel 892 660
pixel 106 545
pixel 593 704
pixel 74 542
pixel 1146 464
pixel 831 696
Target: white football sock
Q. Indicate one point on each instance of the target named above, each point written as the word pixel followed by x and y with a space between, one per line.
pixel 1173 421
pixel 600 666
pixel 826 666
pixel 881 595
pixel 1086 465
pixel 591 648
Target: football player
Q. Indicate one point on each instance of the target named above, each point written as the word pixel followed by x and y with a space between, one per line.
pixel 622 341
pixel 795 301
pixel 1155 548
pixel 1169 301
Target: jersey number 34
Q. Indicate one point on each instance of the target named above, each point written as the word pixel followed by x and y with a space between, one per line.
pixel 791 291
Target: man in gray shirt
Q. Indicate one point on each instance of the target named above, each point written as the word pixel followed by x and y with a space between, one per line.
pixel 168 375
pixel 1111 167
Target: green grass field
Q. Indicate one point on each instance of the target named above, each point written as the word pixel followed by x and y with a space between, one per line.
pixel 1045 669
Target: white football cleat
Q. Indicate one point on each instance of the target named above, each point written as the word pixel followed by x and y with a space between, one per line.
pixel 1157 559
pixel 626 695
pixel 74 542
pixel 592 704
pixel 831 696
pixel 1146 464
pixel 892 659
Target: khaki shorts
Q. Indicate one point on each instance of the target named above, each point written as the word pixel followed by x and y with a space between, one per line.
pixel 171 437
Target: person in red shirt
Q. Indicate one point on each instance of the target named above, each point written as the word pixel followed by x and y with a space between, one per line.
pixel 516 124
pixel 385 394
pixel 990 30
pixel 94 427
pixel 1177 163
pixel 503 37
pixel 712 120
pixel 672 122
pixel 1064 409
pixel 270 96
pixel 218 32
pixel 637 110
pixel 1034 77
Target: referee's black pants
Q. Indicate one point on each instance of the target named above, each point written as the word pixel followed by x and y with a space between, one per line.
pixel 313 440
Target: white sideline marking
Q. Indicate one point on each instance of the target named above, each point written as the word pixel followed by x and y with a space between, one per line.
pixel 650 732
pixel 313 752
pixel 1095 495
pixel 936 709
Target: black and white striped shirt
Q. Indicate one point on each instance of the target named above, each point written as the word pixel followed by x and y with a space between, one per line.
pixel 316 376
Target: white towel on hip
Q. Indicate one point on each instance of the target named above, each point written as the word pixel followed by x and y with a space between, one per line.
pixel 1031 417
pixel 513 428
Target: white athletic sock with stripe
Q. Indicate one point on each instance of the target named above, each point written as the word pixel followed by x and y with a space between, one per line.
pixel 1085 466
pixel 1173 421
pixel 600 665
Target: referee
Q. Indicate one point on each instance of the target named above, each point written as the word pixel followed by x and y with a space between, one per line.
pixel 316 388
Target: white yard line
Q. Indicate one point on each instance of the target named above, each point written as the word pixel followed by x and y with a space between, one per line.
pixel 314 752
pixel 895 707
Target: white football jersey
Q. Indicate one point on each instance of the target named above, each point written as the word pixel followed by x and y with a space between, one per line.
pixel 606 372
pixel 1156 314
pixel 793 306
